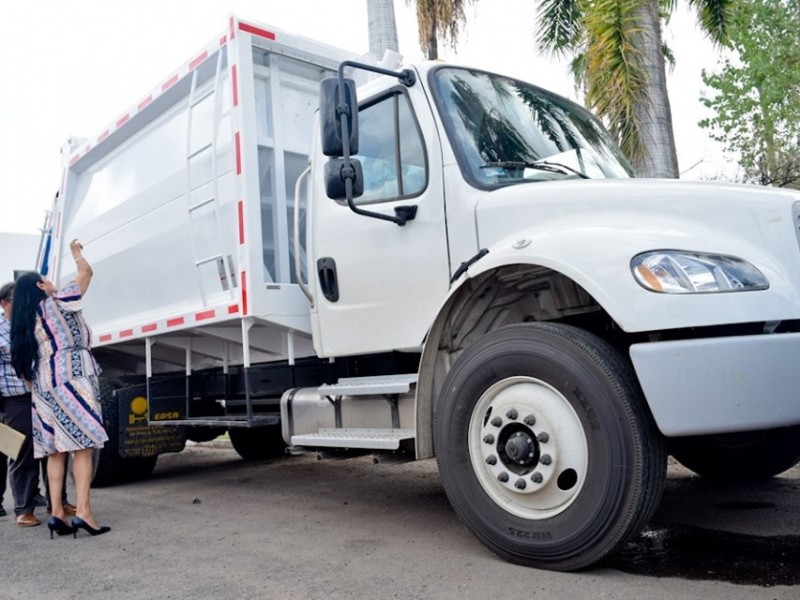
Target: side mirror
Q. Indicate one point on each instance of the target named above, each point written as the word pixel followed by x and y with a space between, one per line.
pixel 330 111
pixel 337 173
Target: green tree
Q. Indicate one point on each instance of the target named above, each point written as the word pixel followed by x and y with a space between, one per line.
pixel 618 58
pixel 756 97
pixel 439 19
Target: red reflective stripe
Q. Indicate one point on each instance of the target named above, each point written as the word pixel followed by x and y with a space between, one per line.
pixel 232 30
pixel 175 321
pixel 207 314
pixel 257 31
pixel 105 337
pixel 103 136
pixel 88 147
pixel 122 120
pixel 126 333
pixel 198 60
pixel 241 222
pixel 238 154
pixel 169 83
pixel 150 327
pixel 233 308
pixel 144 102
pixel 74 159
pixel 235 84
pixel 244 292
pixel 222 40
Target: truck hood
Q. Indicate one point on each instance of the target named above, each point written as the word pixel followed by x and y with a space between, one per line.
pixel 590 230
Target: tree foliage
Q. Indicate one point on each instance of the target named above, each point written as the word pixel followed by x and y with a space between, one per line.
pixel 756 93
pixel 618 59
pixel 439 19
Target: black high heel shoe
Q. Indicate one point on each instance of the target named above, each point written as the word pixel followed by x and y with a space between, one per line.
pixel 78 523
pixel 57 525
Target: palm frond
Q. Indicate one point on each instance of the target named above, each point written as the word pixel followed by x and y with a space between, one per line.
pixel 616 77
pixel 714 16
pixel 559 26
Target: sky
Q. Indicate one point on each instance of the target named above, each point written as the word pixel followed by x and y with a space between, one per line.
pixel 71 68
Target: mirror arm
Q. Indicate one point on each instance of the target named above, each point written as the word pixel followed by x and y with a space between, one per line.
pixel 407 78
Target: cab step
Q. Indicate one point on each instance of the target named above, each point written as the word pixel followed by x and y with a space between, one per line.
pixel 368 439
pixel 365 386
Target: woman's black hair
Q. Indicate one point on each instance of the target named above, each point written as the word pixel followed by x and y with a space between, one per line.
pixel 24 348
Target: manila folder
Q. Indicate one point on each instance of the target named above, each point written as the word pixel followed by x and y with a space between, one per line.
pixel 10 441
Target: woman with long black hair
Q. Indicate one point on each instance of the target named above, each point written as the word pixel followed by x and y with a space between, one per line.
pixel 50 347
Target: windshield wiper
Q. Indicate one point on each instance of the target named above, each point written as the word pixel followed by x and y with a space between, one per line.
pixel 541 165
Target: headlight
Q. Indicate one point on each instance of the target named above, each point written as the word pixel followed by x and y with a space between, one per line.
pixel 680 272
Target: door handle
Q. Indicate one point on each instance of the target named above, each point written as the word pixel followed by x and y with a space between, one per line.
pixel 326 268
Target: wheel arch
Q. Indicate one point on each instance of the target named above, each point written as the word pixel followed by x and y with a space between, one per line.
pixel 498 296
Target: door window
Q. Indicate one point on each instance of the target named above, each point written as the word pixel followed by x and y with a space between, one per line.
pixel 391 151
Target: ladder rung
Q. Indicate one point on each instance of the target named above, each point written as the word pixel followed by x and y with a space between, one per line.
pixel 199 151
pixel 209 259
pixel 201 204
pixel 206 93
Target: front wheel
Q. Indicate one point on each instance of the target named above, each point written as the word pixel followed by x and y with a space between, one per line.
pixel 546 447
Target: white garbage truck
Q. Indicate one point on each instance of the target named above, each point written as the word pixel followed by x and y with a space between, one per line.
pixel 437 262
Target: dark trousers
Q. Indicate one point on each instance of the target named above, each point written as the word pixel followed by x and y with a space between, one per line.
pixel 3 475
pixel 24 471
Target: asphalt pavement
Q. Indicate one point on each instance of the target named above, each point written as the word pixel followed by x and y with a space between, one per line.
pixel 208 525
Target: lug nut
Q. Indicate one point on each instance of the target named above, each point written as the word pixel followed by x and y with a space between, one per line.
pixel 488 438
pixel 537 477
pixel 545 459
pixel 520 484
pixel 543 437
pixel 497 421
pixel 491 460
pixel 503 477
pixel 512 414
pixel 530 420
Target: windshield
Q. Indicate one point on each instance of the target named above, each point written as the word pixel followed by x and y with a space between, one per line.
pixel 505 131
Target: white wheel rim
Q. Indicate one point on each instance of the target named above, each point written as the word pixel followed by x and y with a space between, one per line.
pixel 528 448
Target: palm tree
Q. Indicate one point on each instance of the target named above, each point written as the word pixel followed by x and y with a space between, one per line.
pixel 382 27
pixel 439 19
pixel 619 59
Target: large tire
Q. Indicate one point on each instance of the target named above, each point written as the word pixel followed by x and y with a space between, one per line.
pixel 257 443
pixel 740 457
pixel 546 447
pixel 109 467
pixel 202 433
pixel 108 464
pixel 138 468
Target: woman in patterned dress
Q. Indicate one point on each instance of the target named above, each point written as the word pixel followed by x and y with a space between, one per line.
pixel 50 347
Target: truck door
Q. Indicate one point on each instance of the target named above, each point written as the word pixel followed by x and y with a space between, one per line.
pixel 376 285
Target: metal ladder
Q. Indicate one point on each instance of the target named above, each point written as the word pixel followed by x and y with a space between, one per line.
pixel 225 268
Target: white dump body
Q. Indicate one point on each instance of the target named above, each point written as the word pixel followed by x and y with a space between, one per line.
pixel 184 206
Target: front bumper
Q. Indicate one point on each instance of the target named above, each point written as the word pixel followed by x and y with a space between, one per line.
pixel 721 385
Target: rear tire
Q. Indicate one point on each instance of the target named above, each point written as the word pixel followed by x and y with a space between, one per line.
pixel 108 464
pixel 257 443
pixel 546 447
pixel 109 467
pixel 746 457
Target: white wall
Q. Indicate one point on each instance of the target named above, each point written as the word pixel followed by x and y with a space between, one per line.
pixel 18 251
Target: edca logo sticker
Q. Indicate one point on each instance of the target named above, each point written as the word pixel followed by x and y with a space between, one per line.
pixel 138 410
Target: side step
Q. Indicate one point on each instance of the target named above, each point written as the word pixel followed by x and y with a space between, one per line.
pixel 371 439
pixel 364 386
